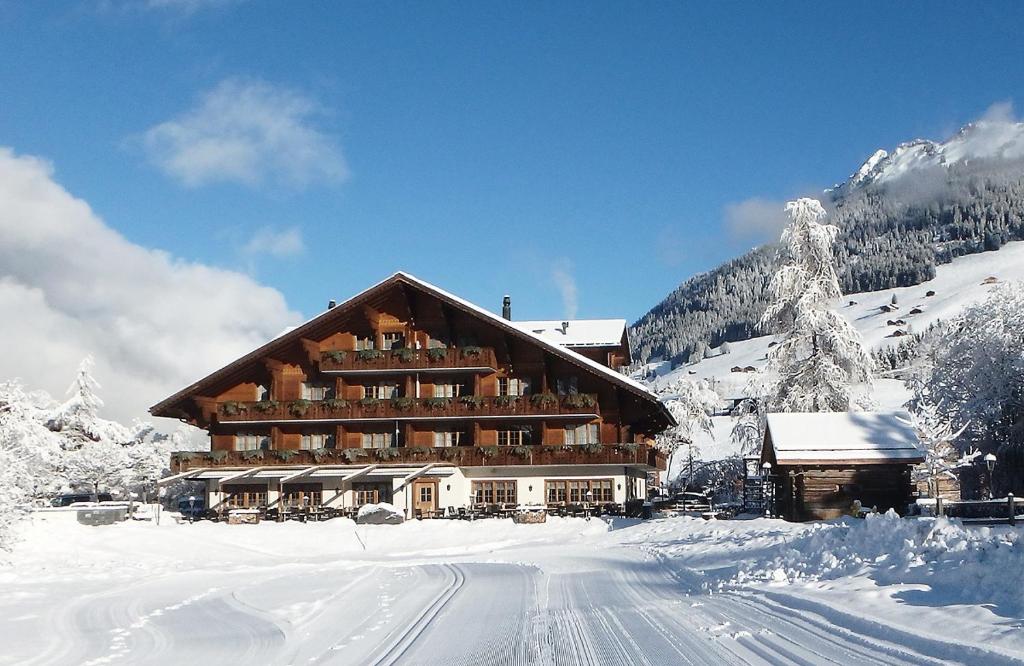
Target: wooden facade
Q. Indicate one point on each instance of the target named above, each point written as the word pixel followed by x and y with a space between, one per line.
pixel 853 460
pixel 406 373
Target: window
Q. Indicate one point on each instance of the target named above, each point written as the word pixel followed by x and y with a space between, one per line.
pixel 303 495
pixel 371 493
pixel 588 433
pixel 494 492
pixel 364 342
pixel 517 436
pixel 444 438
pixel 247 441
pixel 244 496
pixel 555 491
pixel 377 440
pixel 262 393
pixel 382 391
pixel 316 440
pixel 392 341
pixel 513 386
pixel 448 390
pixel 567 385
pixel 426 494
pixel 579 491
pixel 317 391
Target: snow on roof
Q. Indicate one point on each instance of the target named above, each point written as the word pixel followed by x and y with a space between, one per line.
pixel 867 437
pixel 578 332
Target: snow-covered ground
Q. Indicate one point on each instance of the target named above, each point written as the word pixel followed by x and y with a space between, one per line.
pixel 569 591
pixel 956 285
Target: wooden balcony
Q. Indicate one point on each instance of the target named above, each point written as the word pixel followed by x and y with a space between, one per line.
pixel 639 455
pixel 466 407
pixel 400 360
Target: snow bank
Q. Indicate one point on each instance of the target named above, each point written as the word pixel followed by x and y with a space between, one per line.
pixel 961 564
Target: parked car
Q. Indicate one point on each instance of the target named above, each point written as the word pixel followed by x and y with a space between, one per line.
pixel 71 498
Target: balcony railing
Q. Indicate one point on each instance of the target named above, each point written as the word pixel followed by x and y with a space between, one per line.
pixel 378 360
pixel 461 456
pixel 468 407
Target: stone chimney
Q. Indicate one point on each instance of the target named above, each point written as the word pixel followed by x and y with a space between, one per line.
pixel 331 305
pixel 506 307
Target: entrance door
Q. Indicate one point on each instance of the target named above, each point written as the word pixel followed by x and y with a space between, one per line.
pixel 424 497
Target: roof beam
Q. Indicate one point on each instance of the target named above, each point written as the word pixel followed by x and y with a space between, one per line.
pixel 241 474
pixel 183 475
pixel 359 472
pixel 416 474
pixel 301 473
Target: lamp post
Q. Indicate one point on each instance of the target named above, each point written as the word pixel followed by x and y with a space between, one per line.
pixel 990 463
pixel 191 508
pixel 766 468
pixel 590 499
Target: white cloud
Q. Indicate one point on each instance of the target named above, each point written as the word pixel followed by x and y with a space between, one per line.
pixel 188 6
pixel 756 219
pixel 564 281
pixel 287 243
pixel 70 285
pixel 246 131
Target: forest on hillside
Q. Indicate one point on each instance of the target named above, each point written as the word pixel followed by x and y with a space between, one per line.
pixel 891 235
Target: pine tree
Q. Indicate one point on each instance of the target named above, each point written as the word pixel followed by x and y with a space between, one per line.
pixel 821 359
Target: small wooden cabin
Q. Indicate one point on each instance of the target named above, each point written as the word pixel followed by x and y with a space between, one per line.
pixel 823 462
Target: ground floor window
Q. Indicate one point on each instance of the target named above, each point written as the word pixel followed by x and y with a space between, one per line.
pixel 494 492
pixel 246 496
pixel 301 495
pixel 578 491
pixel 371 493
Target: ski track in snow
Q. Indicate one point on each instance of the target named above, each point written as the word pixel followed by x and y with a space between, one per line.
pixel 541 605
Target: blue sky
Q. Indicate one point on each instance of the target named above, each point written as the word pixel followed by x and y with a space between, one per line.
pixel 579 156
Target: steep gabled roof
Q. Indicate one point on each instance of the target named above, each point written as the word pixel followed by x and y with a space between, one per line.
pixel 578 332
pixel 295 334
pixel 843 437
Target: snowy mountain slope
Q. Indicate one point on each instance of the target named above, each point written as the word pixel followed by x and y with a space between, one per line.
pixel 989 139
pixel 956 285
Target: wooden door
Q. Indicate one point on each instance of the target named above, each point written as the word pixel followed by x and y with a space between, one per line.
pixel 424 496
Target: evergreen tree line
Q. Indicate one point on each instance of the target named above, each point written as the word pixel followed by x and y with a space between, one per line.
pixel 891 235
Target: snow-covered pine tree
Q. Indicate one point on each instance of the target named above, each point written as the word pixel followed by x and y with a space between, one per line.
pixel 96 452
pixel 28 454
pixel 821 363
pixel 691 404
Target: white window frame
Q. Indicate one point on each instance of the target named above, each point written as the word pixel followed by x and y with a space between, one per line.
pixel 447 438
pixel 387 343
pixel 251 441
pixel 587 433
pixel 382 391
pixel 316 440
pixel 515 436
pixel 513 386
pixel 377 440
pixel 316 391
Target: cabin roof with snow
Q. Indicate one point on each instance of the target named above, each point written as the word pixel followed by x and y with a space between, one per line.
pixel 577 332
pixel 826 438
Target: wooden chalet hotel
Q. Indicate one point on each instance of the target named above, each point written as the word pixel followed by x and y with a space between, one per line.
pixel 410 395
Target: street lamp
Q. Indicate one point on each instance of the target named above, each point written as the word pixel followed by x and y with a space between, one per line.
pixel 590 498
pixel 191 508
pixel 766 468
pixel 990 463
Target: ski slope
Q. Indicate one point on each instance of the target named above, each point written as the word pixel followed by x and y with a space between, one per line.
pixel 490 592
pixel 956 285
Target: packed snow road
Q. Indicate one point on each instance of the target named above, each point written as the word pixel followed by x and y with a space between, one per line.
pixel 567 593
